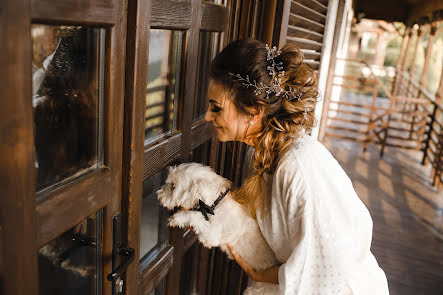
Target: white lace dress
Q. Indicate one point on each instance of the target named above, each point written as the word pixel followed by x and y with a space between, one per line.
pixel 317 226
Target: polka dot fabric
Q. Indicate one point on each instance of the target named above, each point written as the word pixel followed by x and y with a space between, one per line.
pixel 317 226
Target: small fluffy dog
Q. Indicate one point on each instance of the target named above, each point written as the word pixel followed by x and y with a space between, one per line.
pixel 207 205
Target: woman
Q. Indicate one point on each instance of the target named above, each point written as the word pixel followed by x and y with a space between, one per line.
pixel 303 201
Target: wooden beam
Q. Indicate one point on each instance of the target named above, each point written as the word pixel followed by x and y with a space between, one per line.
pixel 167 14
pixel 424 9
pixel 84 12
pixel 392 10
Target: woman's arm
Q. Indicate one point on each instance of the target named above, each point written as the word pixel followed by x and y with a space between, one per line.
pixel 267 276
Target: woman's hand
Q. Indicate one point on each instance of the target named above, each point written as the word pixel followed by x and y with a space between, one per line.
pixel 268 276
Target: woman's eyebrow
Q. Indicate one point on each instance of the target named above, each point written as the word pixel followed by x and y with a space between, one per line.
pixel 214 101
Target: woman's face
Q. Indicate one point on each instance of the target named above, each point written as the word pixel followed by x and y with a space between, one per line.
pixel 231 125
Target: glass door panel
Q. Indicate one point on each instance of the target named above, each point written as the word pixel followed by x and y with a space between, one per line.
pixel 71 263
pixel 208 47
pixel 165 51
pixel 154 231
pixel 68 89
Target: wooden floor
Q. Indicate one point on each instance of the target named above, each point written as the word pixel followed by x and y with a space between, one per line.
pixel 407 214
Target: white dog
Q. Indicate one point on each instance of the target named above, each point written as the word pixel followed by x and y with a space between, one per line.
pixel 207 205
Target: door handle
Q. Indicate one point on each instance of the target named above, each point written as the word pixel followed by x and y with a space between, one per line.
pixel 128 255
pixel 122 257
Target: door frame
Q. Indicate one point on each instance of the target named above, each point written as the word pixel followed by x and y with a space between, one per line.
pixel 27 222
pixel 143 159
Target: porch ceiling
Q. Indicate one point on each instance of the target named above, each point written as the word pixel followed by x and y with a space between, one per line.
pixel 407 11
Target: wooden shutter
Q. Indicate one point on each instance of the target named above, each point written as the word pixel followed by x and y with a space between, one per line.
pixel 303 23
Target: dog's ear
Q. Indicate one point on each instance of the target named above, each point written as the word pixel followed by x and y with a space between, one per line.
pixel 191 196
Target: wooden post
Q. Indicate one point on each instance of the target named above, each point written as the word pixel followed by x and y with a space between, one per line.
pixel 330 79
pixel 428 53
pixel 417 43
pixel 405 39
pixel 404 64
pixel 411 78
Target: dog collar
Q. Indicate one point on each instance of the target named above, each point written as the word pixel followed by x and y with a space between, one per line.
pixel 205 209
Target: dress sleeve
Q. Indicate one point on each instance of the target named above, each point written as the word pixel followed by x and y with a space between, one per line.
pixel 315 262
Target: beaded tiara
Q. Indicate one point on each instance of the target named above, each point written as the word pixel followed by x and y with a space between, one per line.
pixel 275 70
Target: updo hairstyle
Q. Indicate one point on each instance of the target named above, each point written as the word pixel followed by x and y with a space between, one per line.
pixel 285 118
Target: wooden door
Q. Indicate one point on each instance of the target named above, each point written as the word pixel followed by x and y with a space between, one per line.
pixel 61 144
pixel 169 46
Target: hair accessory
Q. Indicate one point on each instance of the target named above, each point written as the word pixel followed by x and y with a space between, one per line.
pixel 276 72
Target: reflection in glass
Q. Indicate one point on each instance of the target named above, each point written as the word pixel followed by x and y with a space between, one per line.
pixel 208 48
pixel 153 221
pixel 71 263
pixel 165 49
pixel 67 99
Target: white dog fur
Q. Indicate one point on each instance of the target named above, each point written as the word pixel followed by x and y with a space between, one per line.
pixel 231 223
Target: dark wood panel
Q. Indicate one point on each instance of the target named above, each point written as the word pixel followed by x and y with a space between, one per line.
pixel 214 17
pixel 64 208
pixel 189 238
pixel 300 9
pixel 186 105
pixel 305 43
pixel 17 176
pixel 161 154
pixel 306 23
pixel 155 272
pixel 201 132
pixel 168 14
pixel 137 47
pixel 113 135
pixel 90 12
pixel 298 32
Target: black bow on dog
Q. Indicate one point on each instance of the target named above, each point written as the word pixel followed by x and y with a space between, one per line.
pixel 205 209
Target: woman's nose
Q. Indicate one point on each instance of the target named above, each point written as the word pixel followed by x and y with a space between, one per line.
pixel 208 115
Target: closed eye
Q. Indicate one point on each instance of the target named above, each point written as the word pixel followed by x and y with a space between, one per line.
pixel 215 109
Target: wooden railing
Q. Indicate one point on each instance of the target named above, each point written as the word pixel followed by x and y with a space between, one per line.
pixel 368 112
pixel 433 142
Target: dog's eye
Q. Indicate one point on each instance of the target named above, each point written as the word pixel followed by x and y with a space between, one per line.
pixel 172 186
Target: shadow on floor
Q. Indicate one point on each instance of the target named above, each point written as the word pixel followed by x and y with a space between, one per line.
pixel 407 213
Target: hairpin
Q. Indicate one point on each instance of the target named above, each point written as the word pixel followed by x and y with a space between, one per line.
pixel 275 70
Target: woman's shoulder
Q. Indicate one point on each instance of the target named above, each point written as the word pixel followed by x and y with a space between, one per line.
pixel 303 151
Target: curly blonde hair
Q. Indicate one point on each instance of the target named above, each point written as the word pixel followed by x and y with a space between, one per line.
pixel 284 118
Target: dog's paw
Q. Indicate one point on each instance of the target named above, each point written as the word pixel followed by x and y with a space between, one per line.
pixel 179 219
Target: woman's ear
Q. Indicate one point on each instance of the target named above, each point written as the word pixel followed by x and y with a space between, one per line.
pixel 257 114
